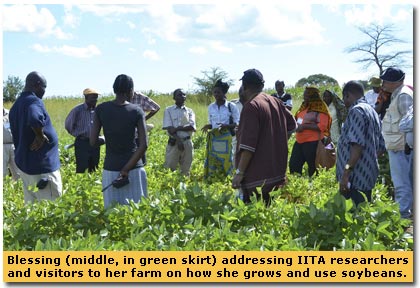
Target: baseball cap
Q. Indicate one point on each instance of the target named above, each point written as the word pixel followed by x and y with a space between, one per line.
pixel 253 76
pixel 88 91
pixel 392 74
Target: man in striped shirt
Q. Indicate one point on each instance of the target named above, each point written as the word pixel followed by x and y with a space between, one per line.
pixel 148 105
pixel 78 123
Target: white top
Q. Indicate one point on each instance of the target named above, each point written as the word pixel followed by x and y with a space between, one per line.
pixel 218 115
pixel 371 97
pixel 176 117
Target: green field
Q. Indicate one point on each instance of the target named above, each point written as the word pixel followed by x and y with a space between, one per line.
pixel 190 214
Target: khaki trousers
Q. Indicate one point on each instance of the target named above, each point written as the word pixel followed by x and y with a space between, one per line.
pixel 52 191
pixel 184 158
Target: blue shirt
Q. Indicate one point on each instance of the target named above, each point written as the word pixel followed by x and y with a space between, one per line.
pixel 29 111
pixel 363 127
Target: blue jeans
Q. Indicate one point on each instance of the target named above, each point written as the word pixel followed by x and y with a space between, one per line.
pixel 399 164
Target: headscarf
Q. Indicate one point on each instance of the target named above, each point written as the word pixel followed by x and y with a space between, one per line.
pixel 315 104
pixel 341 108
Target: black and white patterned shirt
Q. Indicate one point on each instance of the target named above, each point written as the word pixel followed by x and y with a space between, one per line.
pixel 362 126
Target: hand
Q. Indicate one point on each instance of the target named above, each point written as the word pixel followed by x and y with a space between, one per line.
pixel 236 181
pixel 123 174
pixel 344 188
pixel 38 142
pixel 206 127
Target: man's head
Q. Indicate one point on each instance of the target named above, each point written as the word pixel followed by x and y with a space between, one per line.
pixel 35 82
pixel 179 96
pixel 91 97
pixel 279 85
pixel 352 92
pixel 252 82
pixel 327 96
pixel 392 78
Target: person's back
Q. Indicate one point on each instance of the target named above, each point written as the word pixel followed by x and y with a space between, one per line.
pixel 29 111
pixel 268 117
pixel 119 123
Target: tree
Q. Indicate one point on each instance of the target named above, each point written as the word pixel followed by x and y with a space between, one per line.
pixel 206 83
pixel 317 80
pixel 11 88
pixel 380 48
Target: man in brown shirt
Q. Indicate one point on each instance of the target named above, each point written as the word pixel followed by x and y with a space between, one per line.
pixel 261 157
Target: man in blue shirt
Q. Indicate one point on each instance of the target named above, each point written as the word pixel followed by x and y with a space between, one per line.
pixel 36 142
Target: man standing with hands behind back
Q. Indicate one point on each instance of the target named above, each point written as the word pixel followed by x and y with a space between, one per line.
pixel 78 123
pixel 261 154
pixel 36 142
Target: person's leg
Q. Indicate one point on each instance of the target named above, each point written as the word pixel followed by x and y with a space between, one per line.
pixel 399 163
pixel 186 157
pixel 94 156
pixel 296 159
pixel 81 153
pixel 14 170
pixel 309 152
pixel 171 157
pixel 51 191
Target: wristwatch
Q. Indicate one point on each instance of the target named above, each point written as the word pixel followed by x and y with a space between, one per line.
pixel 239 172
pixel 348 167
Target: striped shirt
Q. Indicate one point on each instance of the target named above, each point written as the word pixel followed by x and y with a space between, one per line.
pixel 79 121
pixel 144 102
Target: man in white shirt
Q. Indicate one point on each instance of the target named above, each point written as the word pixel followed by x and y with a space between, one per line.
pixel 179 122
pixel 372 95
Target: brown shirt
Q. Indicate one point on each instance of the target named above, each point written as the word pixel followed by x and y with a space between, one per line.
pixel 263 130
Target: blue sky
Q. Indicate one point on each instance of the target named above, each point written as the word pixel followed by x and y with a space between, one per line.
pixel 163 46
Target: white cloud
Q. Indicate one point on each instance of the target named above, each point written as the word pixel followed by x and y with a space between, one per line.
pixel 70 19
pixel 131 25
pixel 198 50
pixel 27 18
pixel 218 46
pixel 111 10
pixel 152 55
pixel 363 15
pixel 77 52
pixel 122 39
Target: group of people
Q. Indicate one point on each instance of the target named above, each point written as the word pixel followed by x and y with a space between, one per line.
pixel 246 138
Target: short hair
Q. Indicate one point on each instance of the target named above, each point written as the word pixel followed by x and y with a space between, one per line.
pixel 178 90
pixel 123 84
pixel 354 87
pixel 222 85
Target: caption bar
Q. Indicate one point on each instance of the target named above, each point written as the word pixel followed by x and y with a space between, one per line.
pixel 207 266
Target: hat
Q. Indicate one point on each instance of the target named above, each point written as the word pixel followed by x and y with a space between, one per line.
pixel 88 91
pixel 375 82
pixel 253 76
pixel 392 74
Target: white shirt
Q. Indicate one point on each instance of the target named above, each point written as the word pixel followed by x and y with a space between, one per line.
pixel 219 115
pixel 371 97
pixel 175 117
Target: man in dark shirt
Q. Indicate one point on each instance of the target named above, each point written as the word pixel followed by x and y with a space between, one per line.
pixel 261 157
pixel 78 123
pixel 36 142
pixel 282 95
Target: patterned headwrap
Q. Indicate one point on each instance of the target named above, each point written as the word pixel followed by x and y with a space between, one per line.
pixel 341 108
pixel 315 104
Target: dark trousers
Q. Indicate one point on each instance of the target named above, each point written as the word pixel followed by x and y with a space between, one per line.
pixel 357 196
pixel 87 157
pixel 265 191
pixel 301 153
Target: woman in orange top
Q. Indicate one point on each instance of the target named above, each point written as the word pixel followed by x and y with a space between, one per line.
pixel 314 122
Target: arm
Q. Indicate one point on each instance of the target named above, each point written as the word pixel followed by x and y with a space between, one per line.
pixel 151 113
pixel 69 122
pixel 245 158
pixel 143 143
pixel 355 153
pixel 94 131
pixel 39 140
pixel 154 108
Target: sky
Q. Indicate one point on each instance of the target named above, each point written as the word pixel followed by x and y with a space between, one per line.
pixel 164 45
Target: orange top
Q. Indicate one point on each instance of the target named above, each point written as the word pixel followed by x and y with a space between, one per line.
pixel 305 117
